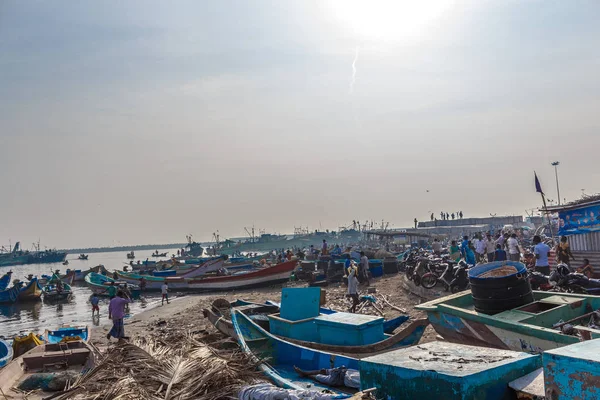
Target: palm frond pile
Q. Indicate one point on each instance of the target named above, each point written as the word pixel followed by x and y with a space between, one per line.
pixel 151 370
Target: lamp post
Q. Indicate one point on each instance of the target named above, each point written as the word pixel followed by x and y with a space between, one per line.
pixel 555 164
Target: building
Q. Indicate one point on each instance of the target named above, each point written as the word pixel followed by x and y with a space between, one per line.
pixel 580 222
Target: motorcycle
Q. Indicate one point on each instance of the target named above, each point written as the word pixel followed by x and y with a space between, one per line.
pixel 461 278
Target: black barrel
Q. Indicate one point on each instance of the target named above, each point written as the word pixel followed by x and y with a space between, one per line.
pixel 499 286
pixel 390 265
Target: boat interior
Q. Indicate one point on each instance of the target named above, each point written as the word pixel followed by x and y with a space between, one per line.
pixel 45 369
pixel 280 357
pixel 547 310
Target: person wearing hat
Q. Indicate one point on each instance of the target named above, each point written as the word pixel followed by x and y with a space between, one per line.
pixel 352 271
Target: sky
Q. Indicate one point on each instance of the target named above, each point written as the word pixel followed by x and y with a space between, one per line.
pixel 144 121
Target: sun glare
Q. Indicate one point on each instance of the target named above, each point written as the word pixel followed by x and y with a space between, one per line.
pixel 389 20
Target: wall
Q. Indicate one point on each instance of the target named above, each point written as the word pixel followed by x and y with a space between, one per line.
pixel 585 242
pixel 495 221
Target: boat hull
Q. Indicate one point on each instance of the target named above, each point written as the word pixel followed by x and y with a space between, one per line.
pixel 95 282
pixel 283 356
pixel 6 353
pixel 10 295
pixel 464 331
pixel 266 276
pixel 32 291
pixel 67 333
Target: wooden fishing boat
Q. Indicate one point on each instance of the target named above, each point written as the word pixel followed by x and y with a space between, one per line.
pixel 74 275
pixel 67 333
pixel 10 295
pixel 83 256
pixel 54 292
pixel 32 291
pixel 277 358
pixel 219 316
pixel 157 254
pixel 98 283
pixel 262 277
pixel 552 320
pixel 5 280
pixel 6 353
pixel 22 344
pixel 210 266
pixel 45 370
pixel 131 255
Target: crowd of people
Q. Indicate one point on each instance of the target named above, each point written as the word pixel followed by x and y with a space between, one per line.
pixel 503 246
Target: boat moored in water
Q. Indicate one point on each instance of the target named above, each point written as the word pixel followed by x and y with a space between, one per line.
pixel 6 353
pixel 99 283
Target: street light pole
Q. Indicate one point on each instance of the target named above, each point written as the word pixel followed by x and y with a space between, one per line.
pixel 555 164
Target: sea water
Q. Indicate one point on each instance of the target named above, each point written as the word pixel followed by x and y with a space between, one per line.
pixel 22 318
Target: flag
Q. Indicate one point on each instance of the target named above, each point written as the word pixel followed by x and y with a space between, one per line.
pixel 538 187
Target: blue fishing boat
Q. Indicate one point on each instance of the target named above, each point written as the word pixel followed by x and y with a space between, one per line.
pixel 6 353
pixel 99 283
pixel 5 280
pixel 10 295
pixel 67 334
pixel 277 358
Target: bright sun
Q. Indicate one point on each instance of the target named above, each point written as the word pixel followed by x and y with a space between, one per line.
pixel 389 19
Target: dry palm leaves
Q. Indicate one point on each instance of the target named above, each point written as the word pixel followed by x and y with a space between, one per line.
pixel 150 370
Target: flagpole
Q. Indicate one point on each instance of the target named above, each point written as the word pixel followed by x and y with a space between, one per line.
pixel 538 188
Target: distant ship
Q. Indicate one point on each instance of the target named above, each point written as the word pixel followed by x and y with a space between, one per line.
pixel 14 256
pixel 19 257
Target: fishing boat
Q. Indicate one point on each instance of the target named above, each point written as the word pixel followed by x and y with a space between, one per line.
pixel 210 266
pixel 31 377
pixel 131 255
pixel 76 275
pixel 83 256
pixel 5 280
pixel 67 333
pixel 262 277
pixel 6 353
pixel 219 316
pixel 22 344
pixel 157 254
pixel 552 320
pixel 31 291
pixel 98 283
pixel 10 295
pixel 56 290
pixel 277 358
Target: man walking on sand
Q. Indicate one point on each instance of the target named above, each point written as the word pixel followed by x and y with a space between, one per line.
pixel 116 312
pixel 165 293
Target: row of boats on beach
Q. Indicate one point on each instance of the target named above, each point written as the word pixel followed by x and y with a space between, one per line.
pixel 544 347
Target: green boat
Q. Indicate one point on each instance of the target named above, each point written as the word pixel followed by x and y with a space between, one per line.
pixel 551 321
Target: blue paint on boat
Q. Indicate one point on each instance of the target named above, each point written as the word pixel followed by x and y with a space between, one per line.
pixel 6 352
pixel 10 295
pixel 347 329
pixel 300 303
pixel 282 356
pixel 445 371
pixel 5 281
pixel 572 372
pixel 58 335
pixel 166 272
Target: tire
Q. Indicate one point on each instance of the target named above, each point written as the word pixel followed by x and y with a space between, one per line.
pixel 429 280
pixel 446 286
pixel 417 280
pixel 409 274
pixel 455 289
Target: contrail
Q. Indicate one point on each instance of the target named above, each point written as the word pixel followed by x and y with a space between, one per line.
pixel 354 70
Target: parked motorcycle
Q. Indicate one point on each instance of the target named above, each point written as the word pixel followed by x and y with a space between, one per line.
pixel 461 278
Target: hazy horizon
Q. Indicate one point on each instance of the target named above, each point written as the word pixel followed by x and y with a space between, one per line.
pixel 145 121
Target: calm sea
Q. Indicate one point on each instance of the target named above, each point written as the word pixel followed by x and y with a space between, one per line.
pixel 36 317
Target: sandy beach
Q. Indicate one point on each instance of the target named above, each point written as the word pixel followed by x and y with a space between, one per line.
pixel 184 313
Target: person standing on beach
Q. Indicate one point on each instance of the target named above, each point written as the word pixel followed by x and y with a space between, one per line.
pixel 325 248
pixel 541 251
pixel 116 312
pixel 480 249
pixel 490 248
pixel 94 300
pixel 416 223
pixel 563 251
pixel 364 268
pixel 111 290
pixel 514 254
pixel 165 293
pixel 353 286
pixel 500 254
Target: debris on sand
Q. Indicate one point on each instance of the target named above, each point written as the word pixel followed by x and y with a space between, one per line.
pixel 151 370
